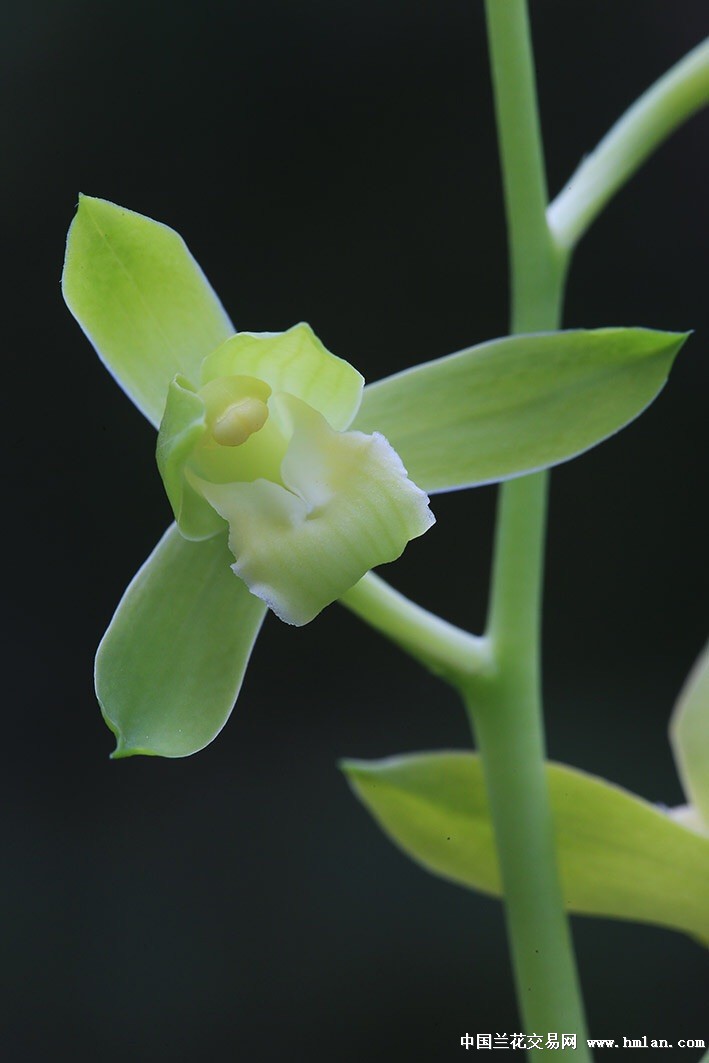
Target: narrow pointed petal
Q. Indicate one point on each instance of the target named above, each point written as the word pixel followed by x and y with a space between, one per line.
pixel 171 663
pixel 689 735
pixel 347 506
pixel 141 299
pixel 516 404
pixel 294 361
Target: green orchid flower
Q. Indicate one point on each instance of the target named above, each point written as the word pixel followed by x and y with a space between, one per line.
pixel 253 437
pixel 262 444
pixel 279 465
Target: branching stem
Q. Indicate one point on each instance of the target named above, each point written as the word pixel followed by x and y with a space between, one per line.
pixel 506 711
pixel 499 674
pixel 442 647
pixel 666 105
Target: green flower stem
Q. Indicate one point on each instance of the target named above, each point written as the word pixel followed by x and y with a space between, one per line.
pixel 674 98
pixel 499 674
pixel 506 715
pixel 444 648
pixel 505 710
pixel 536 266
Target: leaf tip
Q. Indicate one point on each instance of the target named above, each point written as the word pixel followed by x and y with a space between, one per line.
pixel 124 746
pixel 350 767
pixel 355 771
pixel 94 207
pixel 677 340
pixel 124 749
pixel 86 203
pixel 121 751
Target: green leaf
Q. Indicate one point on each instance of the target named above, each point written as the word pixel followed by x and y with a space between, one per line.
pixel 689 735
pixel 170 665
pixel 141 299
pixel 619 856
pixel 517 404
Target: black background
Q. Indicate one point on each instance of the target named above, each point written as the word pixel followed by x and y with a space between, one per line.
pixel 334 163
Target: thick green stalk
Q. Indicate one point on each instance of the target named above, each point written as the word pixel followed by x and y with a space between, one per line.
pixel 506 709
pixel 536 267
pixel 499 674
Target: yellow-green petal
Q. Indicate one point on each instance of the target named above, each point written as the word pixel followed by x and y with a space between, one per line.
pixel 516 404
pixel 294 361
pixel 141 299
pixel 171 663
pixel 183 425
pixel 347 506
pixel 689 734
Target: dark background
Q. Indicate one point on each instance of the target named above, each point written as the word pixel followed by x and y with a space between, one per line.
pixel 334 163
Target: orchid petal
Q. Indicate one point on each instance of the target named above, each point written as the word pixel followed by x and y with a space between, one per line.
pixel 517 404
pixel 183 426
pixel 294 361
pixel 141 299
pixel 689 735
pixel 171 663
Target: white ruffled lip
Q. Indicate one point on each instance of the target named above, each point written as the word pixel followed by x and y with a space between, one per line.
pixel 344 505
